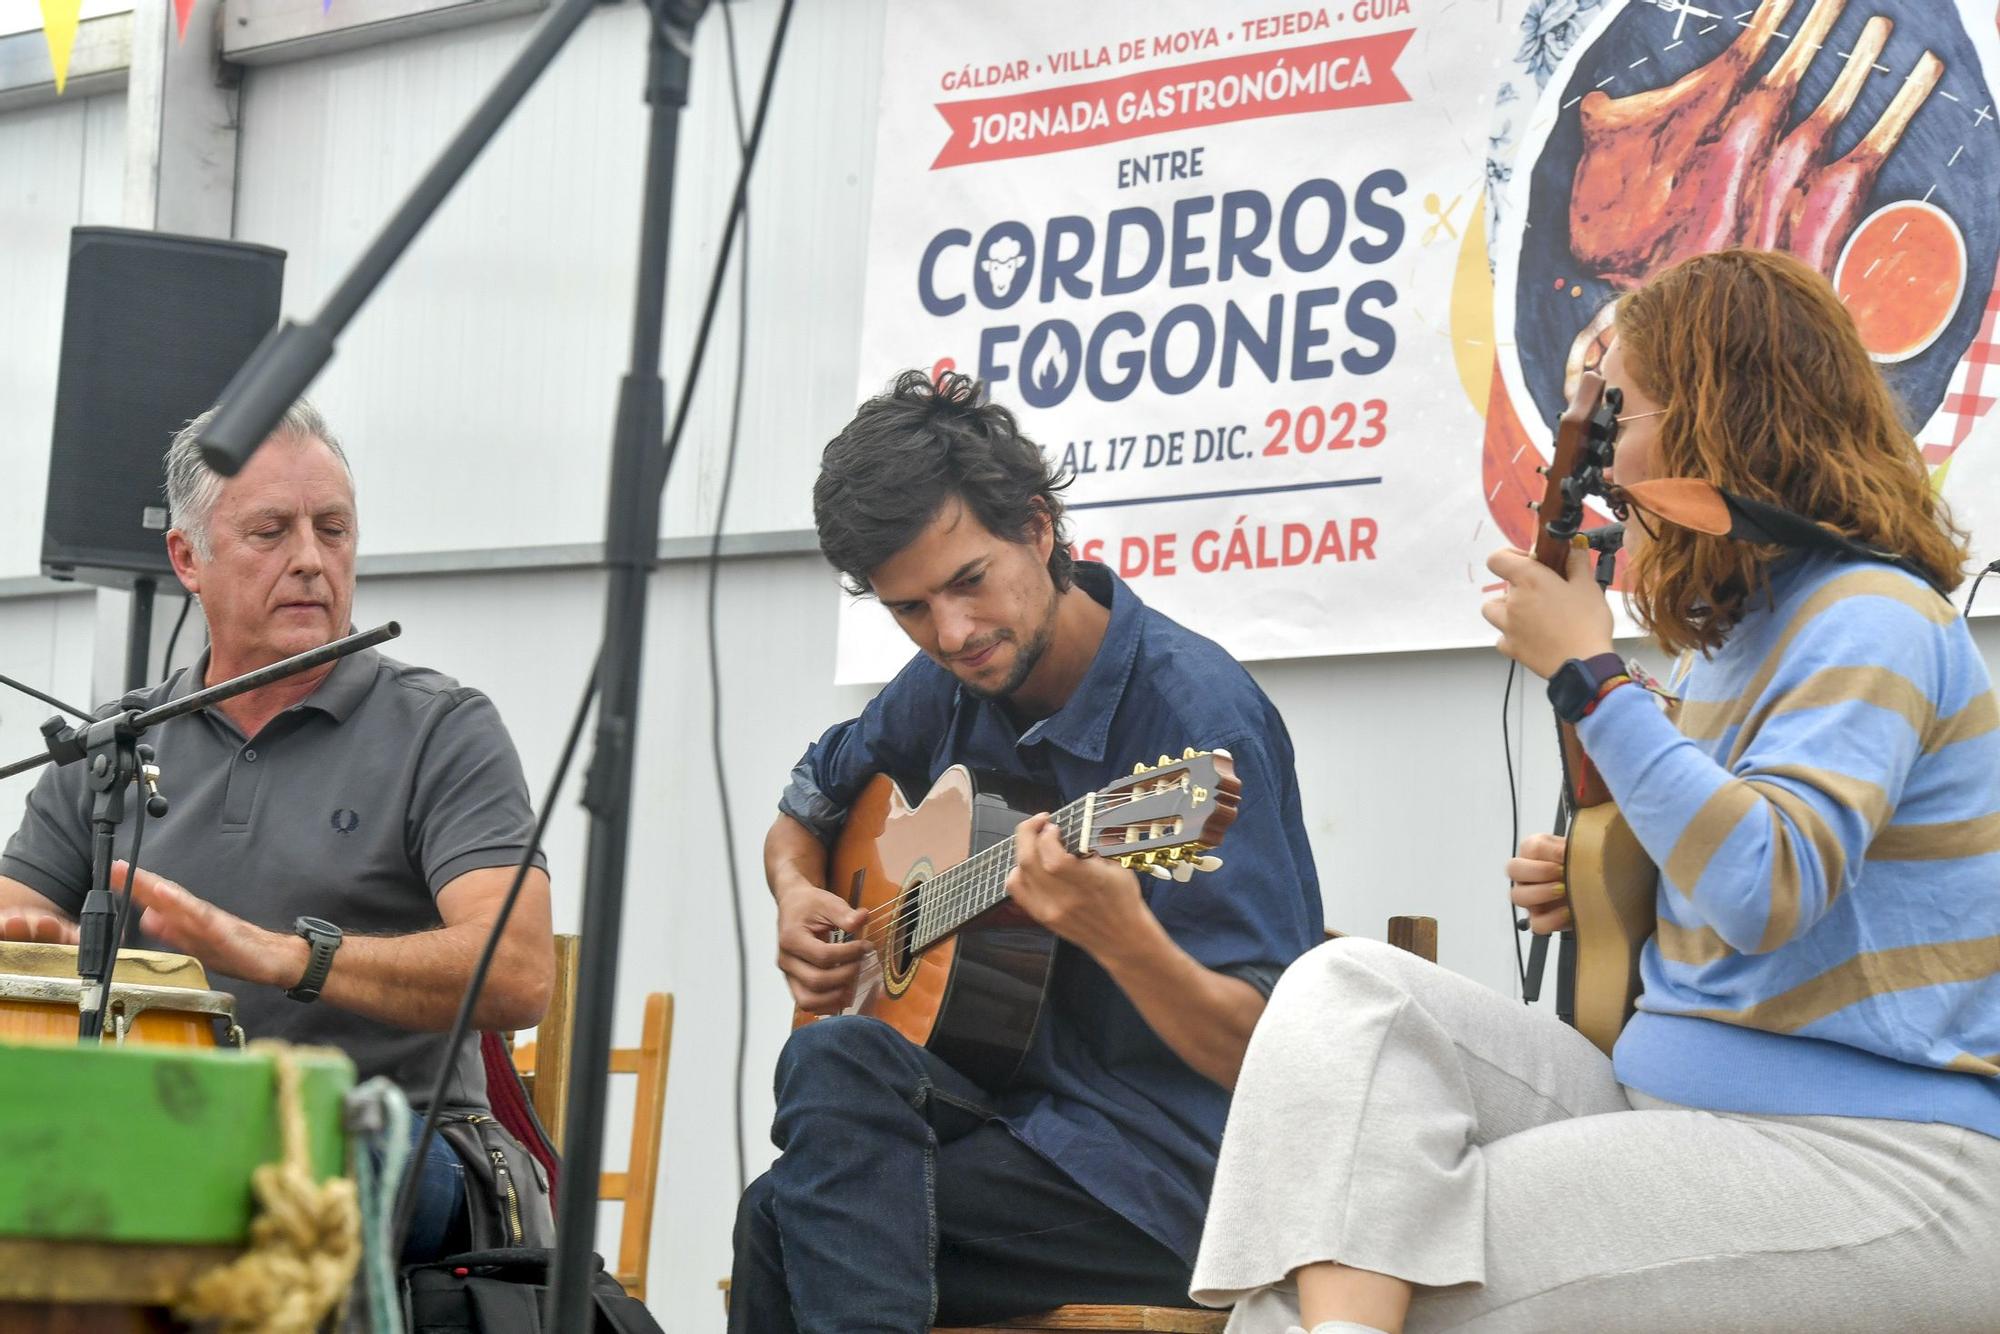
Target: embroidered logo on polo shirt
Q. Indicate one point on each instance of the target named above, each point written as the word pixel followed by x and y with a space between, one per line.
pixel 346 821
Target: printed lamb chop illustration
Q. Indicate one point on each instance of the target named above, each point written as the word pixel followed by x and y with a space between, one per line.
pixel 1805 147
pixel 1637 152
pixel 1831 202
pixel 1699 164
pixel 1717 194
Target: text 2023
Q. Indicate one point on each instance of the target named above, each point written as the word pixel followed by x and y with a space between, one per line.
pixel 1313 427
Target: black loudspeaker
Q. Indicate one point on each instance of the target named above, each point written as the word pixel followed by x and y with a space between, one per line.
pixel 154 326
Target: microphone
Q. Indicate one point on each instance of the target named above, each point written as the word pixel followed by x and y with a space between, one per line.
pixel 1605 542
pixel 259 394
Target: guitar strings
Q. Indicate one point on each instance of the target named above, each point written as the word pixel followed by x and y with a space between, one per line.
pixel 980 875
pixel 950 880
pixel 960 885
pixel 961 892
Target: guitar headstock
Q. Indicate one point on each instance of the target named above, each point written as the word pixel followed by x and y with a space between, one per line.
pixel 1585 435
pixel 1166 816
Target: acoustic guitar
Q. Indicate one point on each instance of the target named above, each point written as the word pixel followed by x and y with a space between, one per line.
pixel 1612 885
pixel 954 964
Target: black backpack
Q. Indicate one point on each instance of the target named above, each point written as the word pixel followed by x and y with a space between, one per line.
pixel 502 1292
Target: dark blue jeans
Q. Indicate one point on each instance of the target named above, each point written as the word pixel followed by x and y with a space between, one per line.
pixel 439 1222
pixel 898 1201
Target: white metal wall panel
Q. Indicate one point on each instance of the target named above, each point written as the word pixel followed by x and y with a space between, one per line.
pixel 59 166
pixel 46 642
pixel 476 390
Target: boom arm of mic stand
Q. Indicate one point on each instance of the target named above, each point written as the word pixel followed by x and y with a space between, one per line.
pixel 292 354
pixel 66 745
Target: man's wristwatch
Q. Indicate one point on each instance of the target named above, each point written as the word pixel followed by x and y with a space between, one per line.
pixel 1579 683
pixel 324 937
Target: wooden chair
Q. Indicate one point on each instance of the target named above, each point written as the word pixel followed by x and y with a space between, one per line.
pixel 1415 934
pixel 544 1065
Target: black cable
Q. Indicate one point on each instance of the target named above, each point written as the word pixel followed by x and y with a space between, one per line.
pixel 1514 807
pixel 714 647
pixel 736 207
pixel 462 1025
pixel 174 639
pixel 124 912
pixel 1975 587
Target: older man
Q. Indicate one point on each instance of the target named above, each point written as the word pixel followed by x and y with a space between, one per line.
pixel 339 842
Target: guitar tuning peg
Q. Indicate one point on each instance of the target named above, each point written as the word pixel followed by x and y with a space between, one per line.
pixel 1166 760
pixel 1159 873
pixel 1184 872
pixel 1207 863
pixel 1189 753
pixel 1139 768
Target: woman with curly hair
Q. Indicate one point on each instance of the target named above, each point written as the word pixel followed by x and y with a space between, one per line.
pixel 1800 1128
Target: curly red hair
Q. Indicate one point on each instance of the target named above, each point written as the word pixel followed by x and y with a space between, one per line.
pixel 1770 394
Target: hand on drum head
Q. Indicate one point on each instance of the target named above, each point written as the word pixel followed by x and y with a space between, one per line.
pixel 224 942
pixel 37 925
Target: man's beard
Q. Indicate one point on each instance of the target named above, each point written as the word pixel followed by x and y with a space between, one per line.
pixel 1025 661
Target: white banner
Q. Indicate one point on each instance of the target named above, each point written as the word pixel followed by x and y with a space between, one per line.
pixel 1241 269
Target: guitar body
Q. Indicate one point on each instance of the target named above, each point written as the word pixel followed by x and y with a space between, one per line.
pixel 1613 890
pixel 974 998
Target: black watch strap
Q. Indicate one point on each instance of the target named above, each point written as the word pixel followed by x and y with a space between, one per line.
pixel 324 937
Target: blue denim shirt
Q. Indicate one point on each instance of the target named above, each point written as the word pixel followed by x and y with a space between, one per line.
pixel 1100 1094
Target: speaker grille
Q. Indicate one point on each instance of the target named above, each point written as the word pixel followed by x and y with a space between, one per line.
pixel 154 326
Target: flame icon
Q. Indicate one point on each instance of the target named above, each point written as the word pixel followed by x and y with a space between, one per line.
pixel 1052 366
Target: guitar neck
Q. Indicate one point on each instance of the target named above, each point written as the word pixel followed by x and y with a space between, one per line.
pixel 979 883
pixel 1580 777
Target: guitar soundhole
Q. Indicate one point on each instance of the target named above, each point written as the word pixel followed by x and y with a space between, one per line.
pixel 899 963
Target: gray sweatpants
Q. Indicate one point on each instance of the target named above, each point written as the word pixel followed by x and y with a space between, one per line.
pixel 1395 1116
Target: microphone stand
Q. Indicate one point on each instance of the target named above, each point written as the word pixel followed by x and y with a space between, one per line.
pixel 111 745
pixel 639 468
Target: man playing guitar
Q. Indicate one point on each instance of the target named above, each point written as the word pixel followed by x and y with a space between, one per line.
pixel 905 1194
pixel 1800 1128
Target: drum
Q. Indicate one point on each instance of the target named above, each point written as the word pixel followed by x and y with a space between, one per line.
pixel 155 998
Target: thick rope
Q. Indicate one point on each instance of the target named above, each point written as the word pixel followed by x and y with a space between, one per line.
pixel 304 1243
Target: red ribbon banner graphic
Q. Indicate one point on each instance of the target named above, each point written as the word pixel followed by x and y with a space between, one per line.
pixel 1354 72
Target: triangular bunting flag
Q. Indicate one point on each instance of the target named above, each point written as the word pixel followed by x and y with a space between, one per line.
pixel 183 8
pixel 59 26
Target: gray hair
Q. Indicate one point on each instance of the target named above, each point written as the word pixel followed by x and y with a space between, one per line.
pixel 193 486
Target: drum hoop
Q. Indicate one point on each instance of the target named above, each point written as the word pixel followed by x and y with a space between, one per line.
pixel 132 998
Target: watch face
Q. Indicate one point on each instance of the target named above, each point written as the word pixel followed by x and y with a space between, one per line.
pixel 316 926
pixel 1570 690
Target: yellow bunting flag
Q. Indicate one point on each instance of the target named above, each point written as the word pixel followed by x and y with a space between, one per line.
pixel 59 26
pixel 183 8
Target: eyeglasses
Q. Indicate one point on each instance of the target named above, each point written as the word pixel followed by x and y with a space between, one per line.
pixel 1635 416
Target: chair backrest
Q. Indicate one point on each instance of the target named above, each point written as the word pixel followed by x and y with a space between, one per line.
pixel 1418 935
pixel 636 1184
pixel 545 1062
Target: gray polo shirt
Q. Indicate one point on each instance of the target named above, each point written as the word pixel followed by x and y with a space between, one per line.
pixel 356 805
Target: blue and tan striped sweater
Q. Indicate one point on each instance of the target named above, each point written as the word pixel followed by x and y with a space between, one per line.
pixel 1825 814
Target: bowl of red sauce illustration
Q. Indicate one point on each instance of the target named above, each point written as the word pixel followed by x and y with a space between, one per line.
pixel 1902 275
